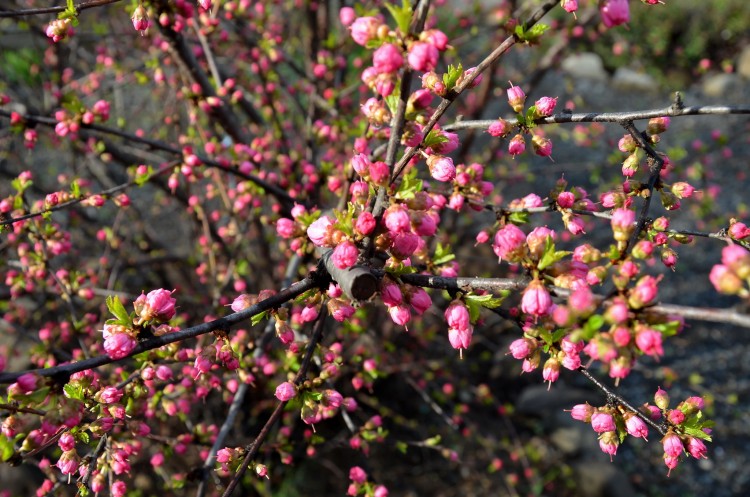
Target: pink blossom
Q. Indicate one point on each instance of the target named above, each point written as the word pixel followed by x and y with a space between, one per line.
pixel 345 255
pixel 67 442
pixel 696 448
pixel 636 427
pixel 522 348
pixel 672 445
pixel 649 341
pixel 516 98
pixel 615 12
pixel 357 475
pixel 320 231
pixel 545 106
pixel 449 145
pixel 400 314
pixel 110 395
pixel 159 305
pixel 566 200
pixel 119 345
pixel 68 462
pixel 435 37
pixel 420 301
pixel 340 311
pixel 405 244
pixel 387 58
pixel 536 299
pixel 379 172
pixel 365 223
pixel 361 164
pixel 118 489
pixel 738 231
pixel 425 223
pixel 509 243
pixel 582 412
pixel 602 421
pixel 286 391
pixel 423 56
pixel 608 444
pixel 457 316
pixel 347 16
pixel 364 29
pixel 396 219
pixel 421 98
pixel 517 145
pixel 570 5
pixel 285 227
pixel 441 168
pixel 499 127
pixel 459 339
pixel 390 293
pixel 551 370
pixel 140 19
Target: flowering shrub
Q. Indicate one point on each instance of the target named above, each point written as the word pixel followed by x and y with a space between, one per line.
pixel 303 164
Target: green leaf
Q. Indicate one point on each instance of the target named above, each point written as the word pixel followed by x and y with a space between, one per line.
pixel 443 254
pixel 489 301
pixel 402 447
pixel 667 329
pixel 75 189
pixel 594 323
pixel 400 269
pixel 519 217
pixel 259 317
pixel 117 309
pixel 6 448
pixel 453 74
pixel 73 391
pixel 402 15
pixel 409 186
pixel 550 255
pixel 434 137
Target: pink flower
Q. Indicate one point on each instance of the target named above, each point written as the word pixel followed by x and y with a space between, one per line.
pixel 420 301
pixel 516 98
pixel 421 99
pixel 119 345
pixel 110 395
pixel 345 255
pixel 441 168
pixel 551 370
pixel 435 37
pixel 615 12
pixel 286 391
pixel 566 200
pixel 357 475
pixel 365 223
pixel 364 29
pixel 457 316
pixel 423 56
pixel 582 412
pixel 459 339
pixel 339 310
pixel 119 489
pixel 400 314
pixel 425 223
pixel 644 292
pixel 608 443
pixel 320 231
pixel 499 128
pixel 636 427
pixel 387 58
pixel 58 29
pixel 396 219
pixel 140 19
pixel 285 227
pixel 545 106
pixel 390 293
pixel 159 305
pixel 649 342
pixel 405 244
pixel 517 145
pixel 68 462
pixel 509 243
pixel 542 146
pixel 738 231
pixel 602 421
pixel 347 16
pixel 536 299
pixel 67 442
pixel 570 5
pixel 696 448
pixel 522 348
pixel 447 146
pixel 361 164
pixel 379 172
pixel 672 445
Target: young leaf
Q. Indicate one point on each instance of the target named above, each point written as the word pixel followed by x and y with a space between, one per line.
pixel 117 309
pixel 443 254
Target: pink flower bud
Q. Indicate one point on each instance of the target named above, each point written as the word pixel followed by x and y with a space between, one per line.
pixel 320 231
pixel 551 370
pixel 339 310
pixel 516 98
pixel 159 305
pixel 672 445
pixel 457 316
pixel 379 172
pixel 615 12
pixel 423 57
pixel 119 345
pixel 517 145
pixel 542 146
pixel 390 293
pixel 459 339
pixel 345 255
pixel 602 421
pixel 570 5
pixel 522 348
pixel 636 427
pixel 697 448
pixel 400 314
pixel 285 227
pixel 536 299
pixel 110 395
pixel 387 58
pixel 627 144
pixel 347 16
pixel 396 219
pixel 657 125
pixel 582 412
pixel 365 223
pixel 420 301
pixel 509 243
pixel 441 168
pixel 545 106
pixel 676 417
pixel 357 475
pixel 661 399
pixel 499 127
pixel 649 341
pixel 738 231
pixel 608 443
pixel 364 29
pixel 140 19
pixel 286 391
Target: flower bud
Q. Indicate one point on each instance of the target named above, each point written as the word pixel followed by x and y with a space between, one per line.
pixel 661 399
pixel 516 98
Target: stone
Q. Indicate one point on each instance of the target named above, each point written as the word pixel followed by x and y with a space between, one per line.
pixel 585 65
pixel 718 85
pixel 630 80
pixel 602 479
pixel 743 63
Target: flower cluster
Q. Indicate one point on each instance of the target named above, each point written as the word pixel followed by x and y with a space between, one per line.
pixel 732 276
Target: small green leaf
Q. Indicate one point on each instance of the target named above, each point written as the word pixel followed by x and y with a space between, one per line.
pixel 73 391
pixel 259 317
pixel 550 255
pixel 453 74
pixel 519 217
pixel 117 309
pixel 402 15
pixel 402 447
pixel 409 186
pixel 443 254
pixel 75 189
pixel 6 448
pixel 594 323
pixel 433 138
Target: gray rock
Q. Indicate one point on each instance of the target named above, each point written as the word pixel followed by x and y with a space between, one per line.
pixel 572 440
pixel 602 479
pixel 743 63
pixel 718 85
pixel 585 65
pixel 628 79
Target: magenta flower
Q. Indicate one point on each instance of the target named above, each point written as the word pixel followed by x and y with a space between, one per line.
pixel 551 370
pixel 522 348
pixel 459 339
pixel 509 243
pixel 636 427
pixel 387 58
pixel 400 314
pixel 672 445
pixel 361 164
pixel 570 5
pixel 119 488
pixel 396 219
pixel 536 299
pixel 339 310
pixel 119 345
pixel 435 37
pixel 286 391
pixel 499 128
pixel 390 293
pixel 68 462
pixel 405 244
pixel 696 448
pixel 347 15
pixel 110 395
pixel 420 301
pixel 517 145
pixel 602 421
pixel 357 475
pixel 615 12
pixel 345 255
pixel 457 316
pixel 441 168
pixel 582 412
pixel 320 231
pixel 159 305
pixel 285 227
pixel 545 106
pixel 140 19
pixel 423 56
pixel 365 223
pixel 649 341
pixel 608 443
pixel 516 98
pixel 364 29
pixel 379 172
